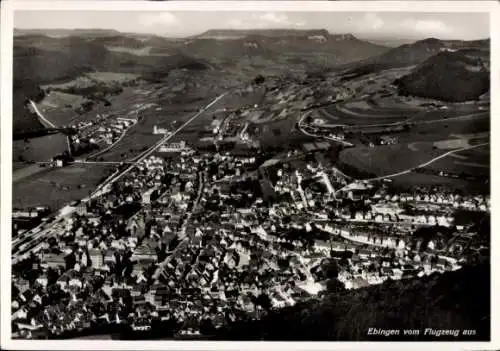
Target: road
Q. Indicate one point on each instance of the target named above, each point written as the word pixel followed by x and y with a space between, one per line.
pixel 422 165
pixel 301 127
pixel 425 164
pixel 410 121
pixel 102 187
pixel 182 235
pixel 100 152
pixel 31 238
pixel 52 125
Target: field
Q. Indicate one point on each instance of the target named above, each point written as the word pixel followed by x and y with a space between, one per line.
pixel 410 181
pixel 434 132
pixel 445 130
pixel 39 149
pixel 382 160
pixel 358 116
pixel 474 162
pixel 58 186
pixel 58 100
pixel 141 136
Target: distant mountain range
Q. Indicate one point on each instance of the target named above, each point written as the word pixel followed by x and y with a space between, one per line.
pixel 271 33
pixel 58 55
pixel 220 44
pixel 415 53
pixel 452 70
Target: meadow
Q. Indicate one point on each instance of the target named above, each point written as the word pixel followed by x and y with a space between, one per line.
pixel 58 186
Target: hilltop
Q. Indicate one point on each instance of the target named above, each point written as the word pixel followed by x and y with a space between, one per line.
pixel 421 50
pixel 449 76
pixel 40 59
pixel 412 54
pixel 272 33
pixel 60 55
pixel 63 32
pixel 274 45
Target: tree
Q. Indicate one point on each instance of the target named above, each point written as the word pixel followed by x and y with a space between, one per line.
pixel 276 131
pixel 335 286
pixel 331 269
pixel 259 79
pixel 264 301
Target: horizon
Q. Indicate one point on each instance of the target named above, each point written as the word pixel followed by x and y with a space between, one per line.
pixel 182 24
pixel 364 37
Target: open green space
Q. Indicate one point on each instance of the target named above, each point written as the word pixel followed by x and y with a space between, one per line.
pixel 409 181
pixel 58 186
pixel 387 159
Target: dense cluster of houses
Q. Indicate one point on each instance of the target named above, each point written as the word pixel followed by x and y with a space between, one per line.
pixel 199 239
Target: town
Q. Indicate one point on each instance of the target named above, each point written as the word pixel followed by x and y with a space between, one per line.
pixel 201 239
pixel 171 181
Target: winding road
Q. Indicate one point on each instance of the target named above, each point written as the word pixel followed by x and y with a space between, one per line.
pixel 301 127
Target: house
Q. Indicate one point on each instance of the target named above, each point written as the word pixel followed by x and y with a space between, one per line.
pixel 22 285
pixel 54 260
pixel 96 258
pixel 109 257
pixel 364 253
pixel 321 246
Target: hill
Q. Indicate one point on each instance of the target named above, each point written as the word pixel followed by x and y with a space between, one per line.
pixel 411 54
pixel 271 33
pixel 40 59
pixel 60 55
pixel 454 300
pixel 449 76
pixel 63 32
pixel 310 46
pixel 419 51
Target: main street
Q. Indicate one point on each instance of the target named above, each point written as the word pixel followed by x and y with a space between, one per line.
pixel 36 236
pixel 184 239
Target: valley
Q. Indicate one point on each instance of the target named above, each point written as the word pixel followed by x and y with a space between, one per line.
pixel 361 103
pixel 251 176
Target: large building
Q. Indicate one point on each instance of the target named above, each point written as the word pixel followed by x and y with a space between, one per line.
pixel 173 147
pixel 157 130
pixel 96 258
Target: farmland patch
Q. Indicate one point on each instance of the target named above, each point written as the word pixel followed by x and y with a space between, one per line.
pixel 451 144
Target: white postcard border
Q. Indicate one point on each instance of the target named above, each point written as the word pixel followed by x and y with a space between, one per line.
pixel 8 7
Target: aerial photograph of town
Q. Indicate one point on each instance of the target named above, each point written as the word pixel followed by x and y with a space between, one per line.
pixel 250 176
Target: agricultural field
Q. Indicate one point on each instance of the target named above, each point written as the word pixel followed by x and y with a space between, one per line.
pixel 39 149
pixel 91 79
pixel 474 162
pixel 345 114
pixel 409 181
pixel 141 136
pixel 58 186
pixel 457 113
pixel 387 159
pixel 445 130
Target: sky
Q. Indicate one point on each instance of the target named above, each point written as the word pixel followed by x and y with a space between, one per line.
pixel 466 26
